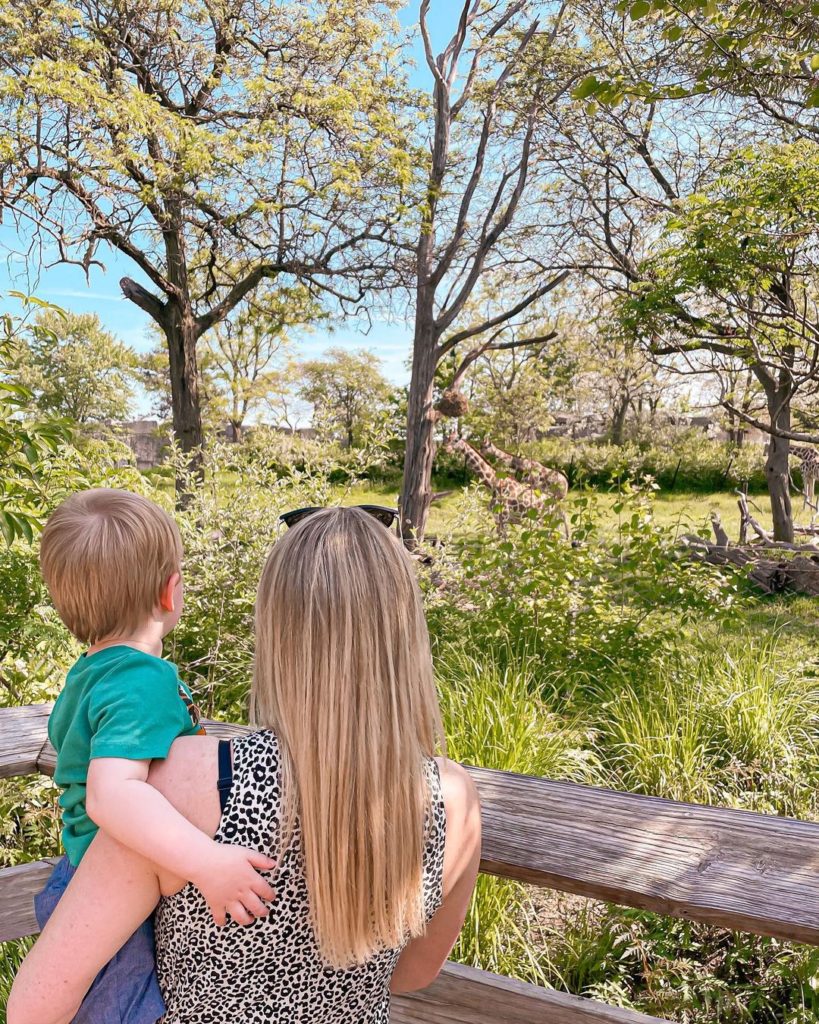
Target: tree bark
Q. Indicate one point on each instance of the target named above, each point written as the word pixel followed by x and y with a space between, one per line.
pixel 776 466
pixel 618 425
pixel 180 334
pixel 421 417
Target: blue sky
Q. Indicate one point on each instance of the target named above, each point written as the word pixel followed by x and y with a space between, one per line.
pixel 67 285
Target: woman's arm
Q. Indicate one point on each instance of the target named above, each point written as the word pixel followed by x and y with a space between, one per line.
pixel 112 893
pixel 422 959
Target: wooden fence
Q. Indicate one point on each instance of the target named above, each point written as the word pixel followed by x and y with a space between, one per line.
pixel 745 871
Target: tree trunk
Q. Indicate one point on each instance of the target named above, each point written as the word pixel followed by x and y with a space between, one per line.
pixel 776 465
pixel 618 425
pixel 180 333
pixel 421 417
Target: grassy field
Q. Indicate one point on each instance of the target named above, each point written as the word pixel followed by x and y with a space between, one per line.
pixel 682 511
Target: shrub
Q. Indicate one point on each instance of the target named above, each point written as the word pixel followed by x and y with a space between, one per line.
pixel 685 461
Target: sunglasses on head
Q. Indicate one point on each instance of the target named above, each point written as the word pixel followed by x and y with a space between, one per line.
pixel 385 516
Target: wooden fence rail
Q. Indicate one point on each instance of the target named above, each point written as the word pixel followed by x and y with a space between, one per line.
pixel 745 871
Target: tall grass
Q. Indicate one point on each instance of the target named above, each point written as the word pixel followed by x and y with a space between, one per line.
pixel 732 720
pixel 494 717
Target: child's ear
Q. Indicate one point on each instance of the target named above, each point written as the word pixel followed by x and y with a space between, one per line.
pixel 166 594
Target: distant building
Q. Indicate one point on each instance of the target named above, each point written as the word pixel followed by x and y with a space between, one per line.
pixel 147 439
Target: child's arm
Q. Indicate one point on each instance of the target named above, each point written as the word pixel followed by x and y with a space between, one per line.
pixel 123 804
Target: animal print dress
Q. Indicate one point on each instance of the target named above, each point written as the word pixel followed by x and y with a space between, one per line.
pixel 271 971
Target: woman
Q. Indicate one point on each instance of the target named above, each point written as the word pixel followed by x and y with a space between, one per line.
pixel 377 843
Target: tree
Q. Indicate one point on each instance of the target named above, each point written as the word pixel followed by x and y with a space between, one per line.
pixel 246 355
pixel 216 145
pixel 348 392
pixel 736 279
pixel 76 369
pixel 484 209
pixel 513 395
pixel 27 446
pixel 752 48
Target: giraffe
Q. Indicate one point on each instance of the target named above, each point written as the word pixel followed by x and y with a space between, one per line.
pixel 551 481
pixel 809 465
pixel 515 499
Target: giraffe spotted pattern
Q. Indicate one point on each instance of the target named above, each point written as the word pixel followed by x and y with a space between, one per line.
pixel 271 972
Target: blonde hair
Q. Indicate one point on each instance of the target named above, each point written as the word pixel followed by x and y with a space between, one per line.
pixel 343 675
pixel 105 556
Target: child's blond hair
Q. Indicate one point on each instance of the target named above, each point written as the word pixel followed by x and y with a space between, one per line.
pixel 105 556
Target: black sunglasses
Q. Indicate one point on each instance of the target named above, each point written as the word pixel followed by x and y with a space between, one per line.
pixel 386 516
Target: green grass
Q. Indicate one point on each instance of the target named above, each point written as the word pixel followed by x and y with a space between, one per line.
pixel 682 511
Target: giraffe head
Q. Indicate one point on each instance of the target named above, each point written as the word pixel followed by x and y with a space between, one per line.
pixel 450 442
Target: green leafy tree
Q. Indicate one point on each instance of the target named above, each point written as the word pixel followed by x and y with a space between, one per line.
pixel 248 365
pixel 215 145
pixel 735 279
pixel 26 446
pixel 510 396
pixel 78 370
pixel 348 392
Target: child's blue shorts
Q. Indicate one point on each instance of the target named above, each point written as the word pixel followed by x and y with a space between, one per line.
pixel 126 990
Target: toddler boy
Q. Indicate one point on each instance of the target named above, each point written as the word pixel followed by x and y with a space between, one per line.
pixel 112 564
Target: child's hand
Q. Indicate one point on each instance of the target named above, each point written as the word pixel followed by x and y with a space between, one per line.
pixel 231 883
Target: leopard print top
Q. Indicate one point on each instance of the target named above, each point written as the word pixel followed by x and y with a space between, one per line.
pixel 271 972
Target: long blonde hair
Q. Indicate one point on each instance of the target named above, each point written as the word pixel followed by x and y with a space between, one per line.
pixel 343 674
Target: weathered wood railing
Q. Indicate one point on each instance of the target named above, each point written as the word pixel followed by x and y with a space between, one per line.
pixel 746 871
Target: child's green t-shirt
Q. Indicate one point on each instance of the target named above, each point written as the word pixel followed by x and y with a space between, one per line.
pixel 117 702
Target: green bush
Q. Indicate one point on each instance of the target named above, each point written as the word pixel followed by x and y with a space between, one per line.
pixel 576 607
pixel 686 461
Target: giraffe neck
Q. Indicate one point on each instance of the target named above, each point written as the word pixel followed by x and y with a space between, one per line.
pixel 499 453
pixel 477 463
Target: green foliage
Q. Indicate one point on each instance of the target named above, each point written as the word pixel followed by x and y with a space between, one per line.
pixel 578 606
pixel 349 394
pixel 753 223
pixel 27 447
pixel 76 369
pixel 733 47
pixel 686 461
pixel 494 717
pixel 676 969
pixel 733 724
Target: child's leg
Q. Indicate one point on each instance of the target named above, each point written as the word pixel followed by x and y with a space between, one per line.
pixel 126 990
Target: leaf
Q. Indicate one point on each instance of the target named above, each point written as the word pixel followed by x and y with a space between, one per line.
pixel 588 87
pixel 7 528
pixel 639 9
pixel 813 98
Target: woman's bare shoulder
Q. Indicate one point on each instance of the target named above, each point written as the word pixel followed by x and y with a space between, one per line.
pixel 460 798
